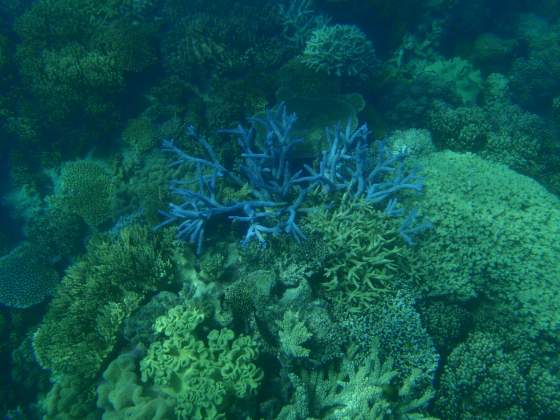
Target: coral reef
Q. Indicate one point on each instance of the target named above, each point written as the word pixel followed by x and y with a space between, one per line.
pixel 353 213
pixel 355 389
pixel 85 188
pixel 272 195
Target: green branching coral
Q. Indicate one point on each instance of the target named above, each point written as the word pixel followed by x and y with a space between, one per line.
pixel 202 377
pixel 221 37
pixel 76 58
pixel 499 131
pixel 358 388
pixel 365 254
pixel 57 232
pixel 463 128
pixel 82 325
pixel 140 134
pixel 342 50
pixel 293 334
pixel 85 188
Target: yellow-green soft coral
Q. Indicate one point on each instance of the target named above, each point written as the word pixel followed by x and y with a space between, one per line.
pixel 121 395
pixel 201 376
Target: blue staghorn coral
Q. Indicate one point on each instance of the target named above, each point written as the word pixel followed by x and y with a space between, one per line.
pixel 276 190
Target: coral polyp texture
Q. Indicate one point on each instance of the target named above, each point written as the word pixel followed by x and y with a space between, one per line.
pixel 26 277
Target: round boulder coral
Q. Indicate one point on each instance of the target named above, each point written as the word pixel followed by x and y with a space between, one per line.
pixel 86 189
pixel 342 50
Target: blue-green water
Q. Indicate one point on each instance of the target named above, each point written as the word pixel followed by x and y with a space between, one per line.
pixel 295 209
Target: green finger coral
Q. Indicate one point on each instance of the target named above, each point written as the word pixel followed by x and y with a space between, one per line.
pixel 365 254
pixel 293 334
pixel 360 387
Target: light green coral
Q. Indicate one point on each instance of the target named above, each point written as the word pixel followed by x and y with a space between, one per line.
pixel 200 377
pixel 361 387
pixel 342 50
pixel 414 142
pixel 481 380
pixel 293 334
pixel 121 395
pixel 365 254
pixel 86 188
pixel 495 235
pixel 82 325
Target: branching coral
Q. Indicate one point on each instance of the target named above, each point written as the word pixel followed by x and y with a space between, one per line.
pixel 75 59
pixel 357 389
pixel 274 192
pixel 364 254
pixel 293 334
pixel 82 324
